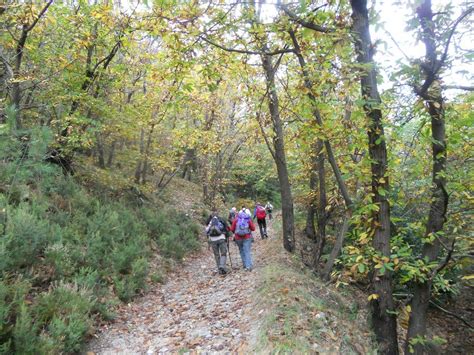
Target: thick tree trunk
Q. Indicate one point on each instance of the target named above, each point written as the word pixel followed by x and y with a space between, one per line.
pixel 280 156
pixel 383 319
pixel 439 199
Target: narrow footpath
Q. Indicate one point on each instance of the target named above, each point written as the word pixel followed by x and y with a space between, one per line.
pixel 196 310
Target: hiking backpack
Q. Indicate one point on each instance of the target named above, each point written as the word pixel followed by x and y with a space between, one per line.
pixel 242 226
pixel 216 227
pixel 261 214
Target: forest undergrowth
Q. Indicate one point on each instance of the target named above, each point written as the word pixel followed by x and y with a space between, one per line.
pixel 72 248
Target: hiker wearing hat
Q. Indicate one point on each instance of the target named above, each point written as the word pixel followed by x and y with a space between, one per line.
pixel 232 215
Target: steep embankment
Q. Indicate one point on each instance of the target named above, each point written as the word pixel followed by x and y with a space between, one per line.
pixel 277 306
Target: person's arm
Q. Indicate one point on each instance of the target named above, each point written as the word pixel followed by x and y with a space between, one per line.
pixel 226 226
pixel 251 225
pixel 234 224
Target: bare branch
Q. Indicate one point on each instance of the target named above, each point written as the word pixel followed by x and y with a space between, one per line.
pixel 459 87
pixel 244 51
pixel 304 23
pixel 451 314
pixel 445 262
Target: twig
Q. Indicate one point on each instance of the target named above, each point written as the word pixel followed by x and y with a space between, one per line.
pixel 445 261
pixel 451 314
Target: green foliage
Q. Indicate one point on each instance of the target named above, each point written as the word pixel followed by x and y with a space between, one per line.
pixel 80 252
pixel 25 239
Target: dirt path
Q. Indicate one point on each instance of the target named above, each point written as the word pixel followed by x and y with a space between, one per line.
pixel 195 310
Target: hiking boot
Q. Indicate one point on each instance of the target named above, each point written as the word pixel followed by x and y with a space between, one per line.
pixel 222 271
pixel 247 268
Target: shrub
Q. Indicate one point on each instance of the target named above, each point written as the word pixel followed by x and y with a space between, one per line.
pixel 25 239
pixel 66 315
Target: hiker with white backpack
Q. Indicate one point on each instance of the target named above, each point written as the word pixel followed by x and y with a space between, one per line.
pixel 217 231
pixel 269 209
pixel 242 227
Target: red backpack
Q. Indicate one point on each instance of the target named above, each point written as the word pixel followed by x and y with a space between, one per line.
pixel 261 214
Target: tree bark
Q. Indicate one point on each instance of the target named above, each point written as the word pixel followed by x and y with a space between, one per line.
pixel 326 274
pixel 280 156
pixel 310 229
pixel 383 319
pixel 138 169
pixel 434 101
pixel 111 156
pixel 322 213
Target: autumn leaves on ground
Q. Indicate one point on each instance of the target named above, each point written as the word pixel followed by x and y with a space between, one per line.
pixel 277 306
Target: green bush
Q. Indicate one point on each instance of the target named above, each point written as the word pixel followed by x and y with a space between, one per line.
pixel 66 315
pixel 26 238
pixel 87 250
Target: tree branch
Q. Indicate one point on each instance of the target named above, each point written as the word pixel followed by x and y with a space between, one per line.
pixel 302 22
pixel 244 51
pixel 459 87
pixel 451 314
pixel 33 24
pixel 453 29
pixel 445 261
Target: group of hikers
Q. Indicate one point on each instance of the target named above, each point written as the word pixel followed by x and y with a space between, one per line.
pixel 240 224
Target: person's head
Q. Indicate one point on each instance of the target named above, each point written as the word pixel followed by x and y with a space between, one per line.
pixel 268 202
pixel 243 208
pixel 234 209
pixel 214 212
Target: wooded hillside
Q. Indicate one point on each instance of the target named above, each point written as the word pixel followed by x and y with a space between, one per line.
pixel 123 123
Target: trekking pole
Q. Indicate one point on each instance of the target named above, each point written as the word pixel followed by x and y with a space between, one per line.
pixel 228 251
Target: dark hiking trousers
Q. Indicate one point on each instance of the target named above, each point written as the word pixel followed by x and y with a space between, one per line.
pixel 219 248
pixel 262 225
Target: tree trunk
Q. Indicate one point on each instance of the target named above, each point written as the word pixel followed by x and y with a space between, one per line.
pixel 310 230
pixel 147 154
pixel 16 89
pixel 322 213
pixel 20 47
pixel 383 319
pixel 439 199
pixel 138 169
pixel 280 156
pixel 326 274
pixel 100 151
pixel 322 216
pixel 111 156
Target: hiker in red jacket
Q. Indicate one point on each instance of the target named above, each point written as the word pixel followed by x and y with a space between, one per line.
pixel 261 215
pixel 242 227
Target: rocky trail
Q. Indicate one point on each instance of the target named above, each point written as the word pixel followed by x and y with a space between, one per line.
pixel 196 310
